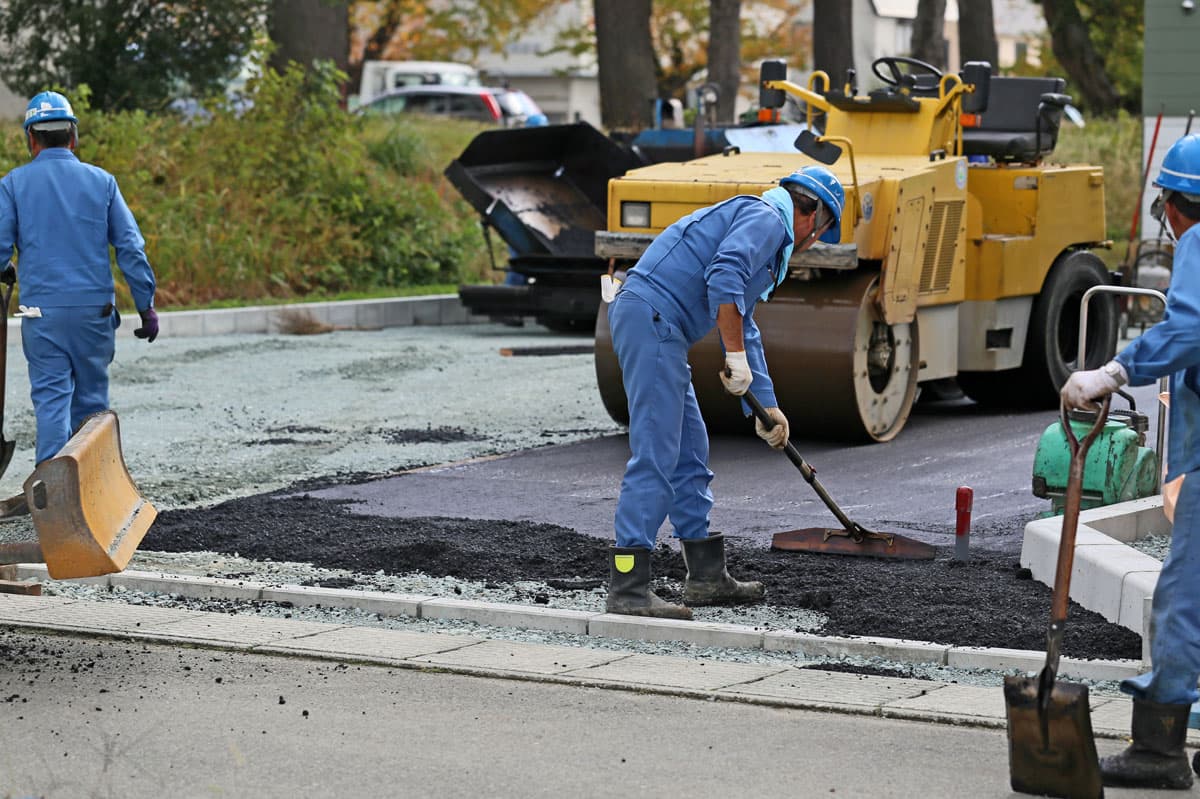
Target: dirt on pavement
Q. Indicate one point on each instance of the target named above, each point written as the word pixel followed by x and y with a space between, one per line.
pixel 987 601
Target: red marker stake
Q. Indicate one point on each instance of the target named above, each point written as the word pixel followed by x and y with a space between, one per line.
pixel 962 531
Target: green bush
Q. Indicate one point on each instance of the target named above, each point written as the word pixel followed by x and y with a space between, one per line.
pixel 293 198
pixel 1116 144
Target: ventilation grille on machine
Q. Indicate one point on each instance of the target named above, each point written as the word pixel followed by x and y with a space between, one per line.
pixel 942 247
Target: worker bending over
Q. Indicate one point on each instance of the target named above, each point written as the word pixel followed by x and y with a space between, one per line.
pixel 709 268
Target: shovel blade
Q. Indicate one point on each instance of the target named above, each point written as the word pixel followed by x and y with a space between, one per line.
pixel 829 541
pixel 88 514
pixel 1054 754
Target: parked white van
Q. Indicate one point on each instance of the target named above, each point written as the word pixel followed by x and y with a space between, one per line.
pixel 380 77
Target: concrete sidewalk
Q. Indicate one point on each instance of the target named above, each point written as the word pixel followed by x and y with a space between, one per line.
pixel 775 685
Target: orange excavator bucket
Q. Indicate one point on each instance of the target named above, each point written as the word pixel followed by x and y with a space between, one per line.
pixel 88 514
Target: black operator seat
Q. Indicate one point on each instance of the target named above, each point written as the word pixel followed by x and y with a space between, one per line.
pixel 1021 120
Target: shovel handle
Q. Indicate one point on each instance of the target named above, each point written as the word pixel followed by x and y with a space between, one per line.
pixel 1074 498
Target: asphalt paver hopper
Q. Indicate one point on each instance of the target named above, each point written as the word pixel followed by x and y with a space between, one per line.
pixel 852 538
pixel 88 514
pixel 1051 751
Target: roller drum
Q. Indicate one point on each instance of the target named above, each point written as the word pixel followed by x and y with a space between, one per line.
pixel 839 371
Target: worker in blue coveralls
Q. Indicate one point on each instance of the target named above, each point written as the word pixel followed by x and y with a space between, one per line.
pixel 709 268
pixel 1163 697
pixel 61 215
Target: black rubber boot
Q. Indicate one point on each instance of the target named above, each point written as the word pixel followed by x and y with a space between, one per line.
pixel 1155 759
pixel 629 586
pixel 708 583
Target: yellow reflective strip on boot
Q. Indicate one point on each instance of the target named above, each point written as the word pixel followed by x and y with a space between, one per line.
pixel 624 563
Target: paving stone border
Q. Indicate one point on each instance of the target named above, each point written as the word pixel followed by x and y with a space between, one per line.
pixel 605 625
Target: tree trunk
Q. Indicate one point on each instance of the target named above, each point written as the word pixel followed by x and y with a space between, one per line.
pixel 724 54
pixel 1073 49
pixel 625 63
pixel 928 41
pixel 977 33
pixel 833 39
pixel 304 30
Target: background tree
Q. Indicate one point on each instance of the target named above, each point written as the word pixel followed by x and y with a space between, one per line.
pixel 928 41
pixel 132 53
pixel 724 54
pixel 1098 44
pixel 833 38
pixel 436 30
pixel 625 62
pixel 977 32
pixel 308 30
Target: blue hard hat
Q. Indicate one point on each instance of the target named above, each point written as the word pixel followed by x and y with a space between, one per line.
pixel 1180 169
pixel 49 107
pixel 821 184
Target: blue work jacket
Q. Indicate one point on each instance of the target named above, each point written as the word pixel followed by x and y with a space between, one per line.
pixel 1172 347
pixel 61 214
pixel 725 253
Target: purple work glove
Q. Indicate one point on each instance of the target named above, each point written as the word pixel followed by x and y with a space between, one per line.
pixel 149 328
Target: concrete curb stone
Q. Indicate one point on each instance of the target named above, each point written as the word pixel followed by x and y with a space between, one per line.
pixel 607 625
pixel 373 314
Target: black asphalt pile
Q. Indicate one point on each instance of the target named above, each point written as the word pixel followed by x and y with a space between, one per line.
pixel 986 601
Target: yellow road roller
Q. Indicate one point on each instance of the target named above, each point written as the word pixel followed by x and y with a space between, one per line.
pixel 964 253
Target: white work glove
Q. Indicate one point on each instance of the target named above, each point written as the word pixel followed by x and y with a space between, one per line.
pixel 1082 389
pixel 777 436
pixel 736 376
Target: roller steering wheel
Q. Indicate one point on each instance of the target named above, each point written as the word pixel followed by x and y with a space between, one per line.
pixel 925 76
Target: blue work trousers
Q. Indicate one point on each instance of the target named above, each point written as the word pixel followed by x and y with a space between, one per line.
pixel 68 350
pixel 1175 640
pixel 667 473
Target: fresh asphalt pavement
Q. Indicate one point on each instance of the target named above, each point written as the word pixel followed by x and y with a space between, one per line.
pixel 97 718
pixel 907 485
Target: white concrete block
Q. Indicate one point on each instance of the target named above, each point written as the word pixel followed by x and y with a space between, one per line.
pixel 383 603
pixel 221 322
pixel 186 585
pixel 1128 521
pixel 341 315
pixel 252 321
pixel 1039 547
pixel 817 646
pixel 396 314
pixel 369 316
pixel 104 617
pixel 1075 669
pixel 635 628
pixel 1136 588
pixel 38 571
pixel 426 311
pixel 498 614
pixel 1099 574
pixel 13 607
pixel 973 657
pixel 176 324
